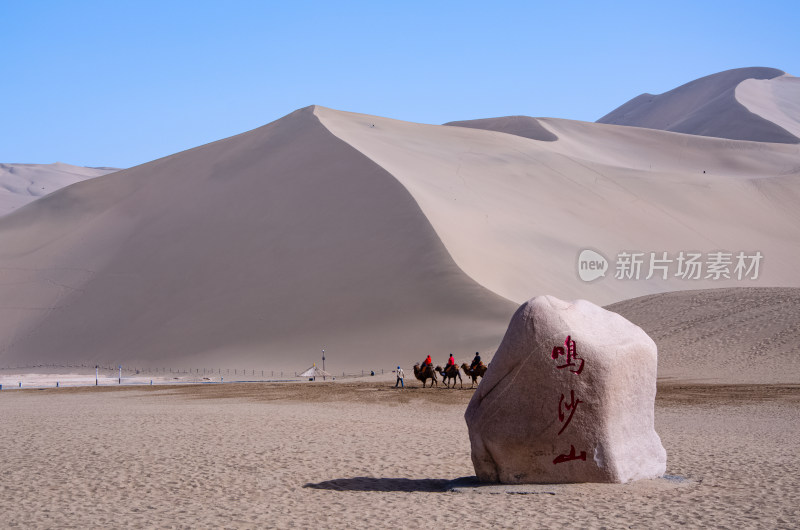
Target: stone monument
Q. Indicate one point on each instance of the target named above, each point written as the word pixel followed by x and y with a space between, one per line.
pixel 568 397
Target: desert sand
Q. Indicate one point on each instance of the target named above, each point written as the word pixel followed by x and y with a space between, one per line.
pixel 364 455
pixel 24 183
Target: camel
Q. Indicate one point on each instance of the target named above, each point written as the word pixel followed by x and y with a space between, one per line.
pixel 451 372
pixel 474 374
pixel 425 373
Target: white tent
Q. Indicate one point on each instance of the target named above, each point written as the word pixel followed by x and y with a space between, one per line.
pixel 315 372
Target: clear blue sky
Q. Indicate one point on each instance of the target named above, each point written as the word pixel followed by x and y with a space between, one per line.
pixel 119 83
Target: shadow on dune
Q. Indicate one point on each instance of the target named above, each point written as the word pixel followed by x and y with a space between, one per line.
pixel 381 484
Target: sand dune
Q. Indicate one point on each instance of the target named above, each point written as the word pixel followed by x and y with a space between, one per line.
pixel 262 249
pixel 776 100
pixel 708 106
pixel 730 336
pixel 24 183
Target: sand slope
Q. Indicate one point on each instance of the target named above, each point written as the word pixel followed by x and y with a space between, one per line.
pixel 261 249
pixel 708 106
pixel 514 212
pixel 23 183
pixel 747 335
pixel 776 100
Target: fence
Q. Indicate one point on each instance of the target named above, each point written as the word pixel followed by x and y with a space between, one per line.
pixel 107 374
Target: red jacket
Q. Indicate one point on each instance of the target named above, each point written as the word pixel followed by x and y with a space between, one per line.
pixel 428 360
pixel 451 361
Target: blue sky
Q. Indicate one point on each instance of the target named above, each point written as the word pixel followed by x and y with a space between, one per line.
pixel 119 83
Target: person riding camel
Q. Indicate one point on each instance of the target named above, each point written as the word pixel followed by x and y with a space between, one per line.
pixel 427 361
pixel 476 361
pixel 450 362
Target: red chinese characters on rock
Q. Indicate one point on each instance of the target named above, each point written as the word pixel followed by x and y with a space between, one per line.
pixel 575 365
pixel 572 356
pixel 571 456
pixel 571 406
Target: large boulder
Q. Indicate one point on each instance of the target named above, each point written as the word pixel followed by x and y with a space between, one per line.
pixel 568 397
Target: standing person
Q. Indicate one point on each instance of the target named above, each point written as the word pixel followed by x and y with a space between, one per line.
pixel 400 376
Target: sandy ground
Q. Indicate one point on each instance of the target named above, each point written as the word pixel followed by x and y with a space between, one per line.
pixel 338 455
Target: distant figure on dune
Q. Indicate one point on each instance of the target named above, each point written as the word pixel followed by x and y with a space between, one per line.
pixel 400 376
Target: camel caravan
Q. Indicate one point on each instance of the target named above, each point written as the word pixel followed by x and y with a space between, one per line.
pixel 425 370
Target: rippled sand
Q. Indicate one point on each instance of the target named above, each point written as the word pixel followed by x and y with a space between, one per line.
pixel 338 455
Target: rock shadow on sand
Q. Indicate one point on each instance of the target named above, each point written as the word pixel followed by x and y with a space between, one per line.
pixel 381 484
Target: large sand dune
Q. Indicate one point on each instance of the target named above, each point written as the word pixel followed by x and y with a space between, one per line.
pixel 260 249
pixel 24 183
pixel 709 106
